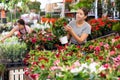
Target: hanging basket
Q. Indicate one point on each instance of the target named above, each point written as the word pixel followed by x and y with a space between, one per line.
pixel 63 40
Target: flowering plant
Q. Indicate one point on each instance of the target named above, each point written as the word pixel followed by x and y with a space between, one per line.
pixel 47 64
pixel 58 27
pixel 39 40
pixel 67 63
pixel 101 26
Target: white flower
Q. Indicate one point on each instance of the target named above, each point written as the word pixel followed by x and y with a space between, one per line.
pixel 92 67
pixel 75 71
pixel 101 69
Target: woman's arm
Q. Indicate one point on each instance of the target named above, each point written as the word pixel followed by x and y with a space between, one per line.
pixel 9 34
pixel 29 30
pixel 79 39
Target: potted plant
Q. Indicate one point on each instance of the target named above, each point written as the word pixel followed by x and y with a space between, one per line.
pixel 59 31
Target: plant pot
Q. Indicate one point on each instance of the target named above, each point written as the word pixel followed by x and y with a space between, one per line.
pixel 63 40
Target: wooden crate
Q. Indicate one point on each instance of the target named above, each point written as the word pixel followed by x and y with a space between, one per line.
pixel 16 74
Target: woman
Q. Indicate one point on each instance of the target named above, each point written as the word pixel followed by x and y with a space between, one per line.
pixel 21 27
pixel 78 30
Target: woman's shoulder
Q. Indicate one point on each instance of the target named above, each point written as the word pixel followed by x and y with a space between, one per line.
pixel 87 25
pixel 72 22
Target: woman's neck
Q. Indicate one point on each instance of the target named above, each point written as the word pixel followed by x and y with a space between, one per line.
pixel 80 23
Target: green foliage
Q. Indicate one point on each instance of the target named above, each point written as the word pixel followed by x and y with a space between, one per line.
pixel 83 3
pixel 58 27
pixel 2 68
pixel 12 49
pixel 34 5
pixel 116 27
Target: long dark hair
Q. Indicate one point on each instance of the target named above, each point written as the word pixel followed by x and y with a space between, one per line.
pixel 21 21
pixel 85 10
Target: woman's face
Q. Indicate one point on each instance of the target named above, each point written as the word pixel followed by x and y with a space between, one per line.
pixel 19 25
pixel 80 16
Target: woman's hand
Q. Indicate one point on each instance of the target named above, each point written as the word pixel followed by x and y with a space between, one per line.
pixel 68 29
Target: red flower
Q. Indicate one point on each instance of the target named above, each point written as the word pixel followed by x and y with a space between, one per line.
pixel 102 74
pixel 35 63
pixel 42 67
pixel 101 58
pixel 118 46
pixel 43 58
pixel 117 37
pixel 65 24
pixel 57 55
pixel 26 73
pixel 34 76
pixel 34 40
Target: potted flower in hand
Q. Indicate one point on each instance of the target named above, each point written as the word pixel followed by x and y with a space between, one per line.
pixel 59 31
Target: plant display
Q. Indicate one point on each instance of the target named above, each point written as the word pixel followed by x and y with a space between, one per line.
pixel 70 62
pixel 40 40
pixel 12 50
pixel 101 26
pixel 46 66
pixel 58 27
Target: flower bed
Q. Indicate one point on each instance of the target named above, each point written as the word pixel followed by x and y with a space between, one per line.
pixel 101 61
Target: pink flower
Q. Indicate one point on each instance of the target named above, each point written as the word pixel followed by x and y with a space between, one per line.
pixel 106 46
pixel 56 62
pixel 91 47
pixel 49 77
pixel 26 69
pixel 97 48
pixel 77 64
pixel 118 78
pixel 53 68
pixel 113 40
pixel 112 52
pixel 106 66
pixel 101 43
